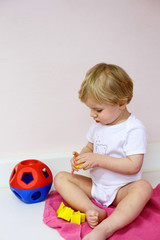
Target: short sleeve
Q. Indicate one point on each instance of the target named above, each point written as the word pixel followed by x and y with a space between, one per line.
pixel 136 141
pixel 90 134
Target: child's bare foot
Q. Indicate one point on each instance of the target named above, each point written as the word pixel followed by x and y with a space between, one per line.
pixel 95 216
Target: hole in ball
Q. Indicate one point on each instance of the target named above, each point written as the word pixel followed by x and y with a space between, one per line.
pixel 27 177
pixel 36 195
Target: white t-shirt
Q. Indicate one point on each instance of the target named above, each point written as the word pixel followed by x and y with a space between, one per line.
pixel 120 140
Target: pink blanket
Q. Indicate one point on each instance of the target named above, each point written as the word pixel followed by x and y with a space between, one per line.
pixel 145 227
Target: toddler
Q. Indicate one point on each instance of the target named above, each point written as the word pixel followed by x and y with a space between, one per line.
pixel 114 155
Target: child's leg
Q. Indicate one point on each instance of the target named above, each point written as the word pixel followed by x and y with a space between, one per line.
pixel 76 191
pixel 129 203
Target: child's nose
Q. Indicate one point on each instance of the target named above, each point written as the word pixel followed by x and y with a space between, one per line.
pixel 93 114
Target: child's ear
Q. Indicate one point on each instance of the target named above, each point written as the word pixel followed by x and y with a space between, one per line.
pixel 122 106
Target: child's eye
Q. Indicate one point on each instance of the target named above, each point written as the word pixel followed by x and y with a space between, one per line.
pixel 99 110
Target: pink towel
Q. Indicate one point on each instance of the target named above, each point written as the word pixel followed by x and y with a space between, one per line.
pixel 145 227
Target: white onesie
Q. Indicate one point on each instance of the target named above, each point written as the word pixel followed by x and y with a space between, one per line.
pixel 121 140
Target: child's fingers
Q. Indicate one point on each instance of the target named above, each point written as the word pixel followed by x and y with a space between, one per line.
pixel 75 154
pixel 74 170
pixel 79 163
pixel 73 162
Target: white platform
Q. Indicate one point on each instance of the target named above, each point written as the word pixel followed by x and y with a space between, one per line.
pixel 24 221
pixel 20 221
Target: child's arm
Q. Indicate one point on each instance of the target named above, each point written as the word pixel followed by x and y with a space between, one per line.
pixel 88 148
pixel 128 165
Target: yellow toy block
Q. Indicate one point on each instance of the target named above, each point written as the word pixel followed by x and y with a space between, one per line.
pixel 76 218
pixel 83 216
pixel 78 212
pixel 60 208
pixel 61 213
pixel 77 166
pixel 66 213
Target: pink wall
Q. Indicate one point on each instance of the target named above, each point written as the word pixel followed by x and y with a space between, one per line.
pixel 46 47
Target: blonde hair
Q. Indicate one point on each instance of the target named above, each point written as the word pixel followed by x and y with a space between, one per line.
pixel 107 83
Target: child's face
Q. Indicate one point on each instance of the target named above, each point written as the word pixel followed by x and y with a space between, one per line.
pixel 104 113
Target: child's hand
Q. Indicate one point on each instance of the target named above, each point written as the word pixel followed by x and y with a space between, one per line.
pixel 88 160
pixel 73 162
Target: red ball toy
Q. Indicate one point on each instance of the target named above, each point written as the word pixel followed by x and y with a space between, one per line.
pixel 31 180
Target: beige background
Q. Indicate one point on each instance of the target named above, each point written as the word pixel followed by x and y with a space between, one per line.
pixel 46 47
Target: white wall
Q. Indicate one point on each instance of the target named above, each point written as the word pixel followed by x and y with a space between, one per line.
pixel 46 47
